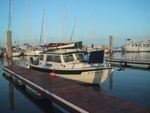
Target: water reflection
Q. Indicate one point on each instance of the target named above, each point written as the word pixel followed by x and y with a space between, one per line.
pixel 23 60
pixel 111 81
pixel 44 104
pixel 94 87
pixel 11 96
pixel 137 56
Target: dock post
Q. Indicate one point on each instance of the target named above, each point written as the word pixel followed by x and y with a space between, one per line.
pixel 111 47
pixel 9 48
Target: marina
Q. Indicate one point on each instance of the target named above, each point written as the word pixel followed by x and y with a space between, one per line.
pixel 70 69
pixel 72 97
pixel 130 85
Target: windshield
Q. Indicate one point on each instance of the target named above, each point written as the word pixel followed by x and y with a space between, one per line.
pixel 82 56
pixel 68 58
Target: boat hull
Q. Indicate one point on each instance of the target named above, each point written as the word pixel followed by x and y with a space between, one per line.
pixel 16 54
pixel 88 76
pixel 31 53
pixel 132 46
pixel 54 46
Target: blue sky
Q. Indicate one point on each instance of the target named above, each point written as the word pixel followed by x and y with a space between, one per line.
pixel 96 20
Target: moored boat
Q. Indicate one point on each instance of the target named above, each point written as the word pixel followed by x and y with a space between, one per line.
pixel 16 53
pixel 136 46
pixel 73 64
pixel 69 45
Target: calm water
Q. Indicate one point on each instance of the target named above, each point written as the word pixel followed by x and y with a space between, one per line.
pixel 131 84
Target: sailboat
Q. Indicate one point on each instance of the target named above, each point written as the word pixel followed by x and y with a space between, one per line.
pixel 69 45
pixel 61 45
pixel 27 48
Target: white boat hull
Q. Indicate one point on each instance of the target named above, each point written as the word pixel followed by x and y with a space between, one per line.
pixel 61 47
pixel 31 53
pixel 87 76
pixel 136 46
pixel 16 54
pixel 90 77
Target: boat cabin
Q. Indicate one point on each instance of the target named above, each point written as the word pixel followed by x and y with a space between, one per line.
pixel 66 58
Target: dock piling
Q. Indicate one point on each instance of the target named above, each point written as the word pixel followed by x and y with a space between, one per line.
pixel 9 47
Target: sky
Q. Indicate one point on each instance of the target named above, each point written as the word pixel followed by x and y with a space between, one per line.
pixel 90 21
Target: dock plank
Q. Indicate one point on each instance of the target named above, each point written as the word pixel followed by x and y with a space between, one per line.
pixel 71 96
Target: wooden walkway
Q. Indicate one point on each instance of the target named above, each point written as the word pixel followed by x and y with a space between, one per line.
pixel 130 63
pixel 73 97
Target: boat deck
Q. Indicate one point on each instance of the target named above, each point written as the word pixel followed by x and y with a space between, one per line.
pixel 71 96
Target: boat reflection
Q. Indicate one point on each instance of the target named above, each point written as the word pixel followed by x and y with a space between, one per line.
pixel 94 87
pixel 111 81
pixel 137 56
pixel 20 60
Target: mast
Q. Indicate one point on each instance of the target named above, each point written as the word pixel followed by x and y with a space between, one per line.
pixel 92 32
pixel 25 27
pixel 43 29
pixel 73 29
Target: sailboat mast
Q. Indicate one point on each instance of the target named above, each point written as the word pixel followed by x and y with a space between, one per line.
pixel 73 30
pixel 92 29
pixel 25 22
pixel 43 29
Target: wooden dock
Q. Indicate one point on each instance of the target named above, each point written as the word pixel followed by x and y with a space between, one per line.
pixel 140 64
pixel 73 97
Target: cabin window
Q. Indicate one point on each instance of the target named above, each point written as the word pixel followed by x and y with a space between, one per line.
pixel 56 59
pixel 41 57
pixel 86 56
pixel 49 58
pixel 52 58
pixel 80 57
pixel 68 58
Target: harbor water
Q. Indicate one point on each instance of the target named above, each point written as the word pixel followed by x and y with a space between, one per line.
pixel 129 84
